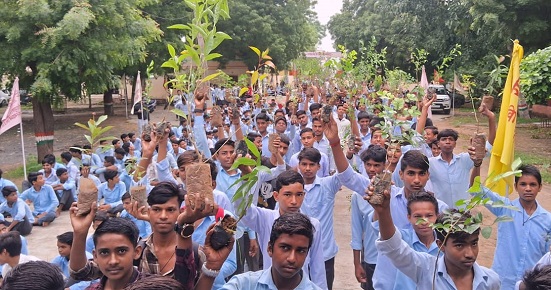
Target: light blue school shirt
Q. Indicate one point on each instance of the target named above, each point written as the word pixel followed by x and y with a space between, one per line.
pixel 363 236
pixel 113 196
pixel 387 277
pixel 451 181
pixel 224 182
pixel 44 200
pixel 69 184
pixel 90 246
pixel 49 179
pixel 63 263
pixel 263 280
pixel 319 202
pixel 138 144
pixel 230 264
pixel 324 164
pixel 201 136
pixel 19 210
pixel 399 209
pixel 521 242
pixel 5 182
pixel 261 220
pixel 421 266
pixel 101 153
pixel 266 145
pixel 143 226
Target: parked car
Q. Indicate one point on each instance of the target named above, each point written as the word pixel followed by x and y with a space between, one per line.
pixel 4 98
pixel 443 101
pixel 25 97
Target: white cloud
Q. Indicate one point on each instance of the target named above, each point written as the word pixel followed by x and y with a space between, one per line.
pixel 325 9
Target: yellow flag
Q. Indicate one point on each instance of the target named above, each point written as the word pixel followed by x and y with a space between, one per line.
pixel 504 145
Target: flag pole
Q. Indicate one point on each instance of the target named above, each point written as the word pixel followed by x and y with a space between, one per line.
pixel 23 149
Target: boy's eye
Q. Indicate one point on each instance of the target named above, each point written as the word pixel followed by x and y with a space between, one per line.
pixel 122 251
pixel 103 252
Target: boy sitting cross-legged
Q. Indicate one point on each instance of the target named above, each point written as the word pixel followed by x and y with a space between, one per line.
pixel 43 198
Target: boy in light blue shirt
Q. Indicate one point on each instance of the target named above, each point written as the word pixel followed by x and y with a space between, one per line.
pixel 19 210
pixel 143 226
pixel 64 244
pixel 4 182
pixel 43 198
pixel 111 191
pixel 65 189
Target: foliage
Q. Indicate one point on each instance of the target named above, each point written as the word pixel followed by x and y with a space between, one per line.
pixel 418 59
pixel 246 182
pixel 259 73
pixel 371 62
pixel 289 28
pixel 535 77
pixel 96 132
pixel 496 77
pixel 449 58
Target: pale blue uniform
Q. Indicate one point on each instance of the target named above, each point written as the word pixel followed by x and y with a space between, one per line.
pixel 113 196
pixel 451 181
pixel 263 280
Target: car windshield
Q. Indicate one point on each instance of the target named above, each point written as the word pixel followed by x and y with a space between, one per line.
pixel 439 90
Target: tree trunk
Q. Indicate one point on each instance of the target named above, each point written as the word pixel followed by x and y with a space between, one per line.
pixel 108 103
pixel 89 101
pixel 43 118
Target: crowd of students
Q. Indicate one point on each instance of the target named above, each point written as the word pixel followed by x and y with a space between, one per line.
pixel 285 239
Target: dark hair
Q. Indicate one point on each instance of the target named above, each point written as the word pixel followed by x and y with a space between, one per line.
pixel 50 158
pixel 36 275
pixel 263 116
pixel 125 147
pixel 60 171
pixel 422 196
pixel 66 238
pixel 375 153
pixel 11 242
pixel 162 192
pixel 287 178
pixel 456 235
pixel 281 119
pixel 110 174
pixel 120 151
pixel 529 170
pixel 86 146
pixel 315 106
pixel 75 149
pixel 284 139
pixel 155 282
pixel 110 159
pixel 48 161
pixel 301 112
pixel 114 142
pixel 1 172
pixel 222 142
pixel 33 176
pixel 292 223
pixel 538 278
pixel 375 121
pixel 414 159
pixel 119 226
pixel 306 130
pixel 433 129
pixel 124 135
pixel 434 142
pixel 311 154
pixel 279 111
pixel 316 120
pixel 253 135
pixel 364 115
pixel 67 156
pixel 448 133
pixel 131 135
pixel 126 195
pixel 101 216
pixel 7 190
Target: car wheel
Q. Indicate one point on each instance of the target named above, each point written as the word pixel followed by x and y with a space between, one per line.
pixel 447 112
pixel 2 103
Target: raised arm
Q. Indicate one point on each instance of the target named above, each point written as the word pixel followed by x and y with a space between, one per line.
pixel 422 120
pixel 332 134
pixel 491 122
pixel 81 224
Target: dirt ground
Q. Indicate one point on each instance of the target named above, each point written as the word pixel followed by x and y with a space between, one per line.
pixel 42 241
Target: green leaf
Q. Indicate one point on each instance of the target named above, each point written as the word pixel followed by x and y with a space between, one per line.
pixel 213 56
pixel 242 161
pixel 171 50
pixel 89 139
pixel 179 26
pixel 486 232
pixel 81 126
pixel 252 148
pixel 210 77
pixel 179 112
pixel 503 218
pixel 254 78
pixel 256 50
pixel 101 119
pixel 171 64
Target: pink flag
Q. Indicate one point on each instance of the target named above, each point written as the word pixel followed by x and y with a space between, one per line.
pixel 137 93
pixel 12 116
pixel 457 85
pixel 424 82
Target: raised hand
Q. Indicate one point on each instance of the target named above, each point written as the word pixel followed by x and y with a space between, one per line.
pixel 81 223
pixel 215 258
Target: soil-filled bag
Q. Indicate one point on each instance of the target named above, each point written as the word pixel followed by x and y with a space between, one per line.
pixel 87 195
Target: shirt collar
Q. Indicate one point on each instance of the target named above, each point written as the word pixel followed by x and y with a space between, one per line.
pixel 479 277
pixel 267 279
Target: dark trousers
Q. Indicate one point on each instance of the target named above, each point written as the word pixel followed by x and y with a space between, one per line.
pixel 330 272
pixel 24 227
pixel 369 270
pixel 66 199
pixel 243 256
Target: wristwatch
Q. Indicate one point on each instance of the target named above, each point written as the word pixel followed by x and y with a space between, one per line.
pixel 185 230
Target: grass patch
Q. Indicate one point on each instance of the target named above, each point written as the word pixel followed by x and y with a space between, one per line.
pixel 17 173
pixel 537 160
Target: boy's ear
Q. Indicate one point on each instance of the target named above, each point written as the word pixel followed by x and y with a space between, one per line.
pixel 270 249
pixel 401 173
pixel 276 195
pixel 138 252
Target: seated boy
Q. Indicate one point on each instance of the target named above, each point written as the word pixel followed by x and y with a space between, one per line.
pixel 143 226
pixel 457 269
pixel 10 252
pixel 43 198
pixel 65 189
pixel 99 218
pixel 64 244
pixel 111 191
pixel 19 210
pixel 290 240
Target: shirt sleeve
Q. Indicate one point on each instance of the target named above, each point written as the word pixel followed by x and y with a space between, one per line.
pixel 201 136
pixel 20 216
pixel 90 272
pixel 356 217
pixel 353 180
pixel 163 172
pixel 53 199
pixel 317 263
pixel 184 269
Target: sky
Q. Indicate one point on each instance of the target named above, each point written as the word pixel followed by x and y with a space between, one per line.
pixel 326 9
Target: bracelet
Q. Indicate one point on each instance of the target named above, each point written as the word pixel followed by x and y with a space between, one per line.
pixel 198 111
pixel 335 144
pixel 209 272
pixel 478 163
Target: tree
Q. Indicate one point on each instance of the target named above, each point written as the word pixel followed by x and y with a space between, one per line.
pixel 287 27
pixel 67 44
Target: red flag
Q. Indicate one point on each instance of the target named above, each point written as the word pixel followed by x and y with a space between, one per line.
pixel 12 116
pixel 137 93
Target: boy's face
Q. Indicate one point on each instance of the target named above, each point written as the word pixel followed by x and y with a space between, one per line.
pixel 115 254
pixel 307 139
pixel 39 180
pixel 64 176
pixel 118 145
pixel 317 127
pixel 435 150
pixel 373 168
pixel 422 210
pixel 447 144
pixel 261 125
pixel 163 216
pixel 528 188
pixel 288 255
pixel 308 168
pixel 461 254
pixel 258 142
pixel 303 120
pixel 64 250
pixel 414 179
pixel 12 197
pixel 290 197
pixel 393 154
pixel 47 167
pixel 377 138
pixel 341 111
pixel 364 124
pixel 116 179
pixel 126 139
pixel 127 204
pixel 283 148
pixel 183 144
pixel 175 147
pixel 429 136
pixel 316 113
pixel 224 155
pixel 4 256
pixel 281 126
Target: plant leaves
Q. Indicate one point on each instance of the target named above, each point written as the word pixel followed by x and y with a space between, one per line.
pixel 252 148
pixel 179 113
pixel 486 232
pixel 242 91
pixel 476 186
pixel 171 50
pixel 210 77
pixel 256 50
pixel 254 78
pixel 179 26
